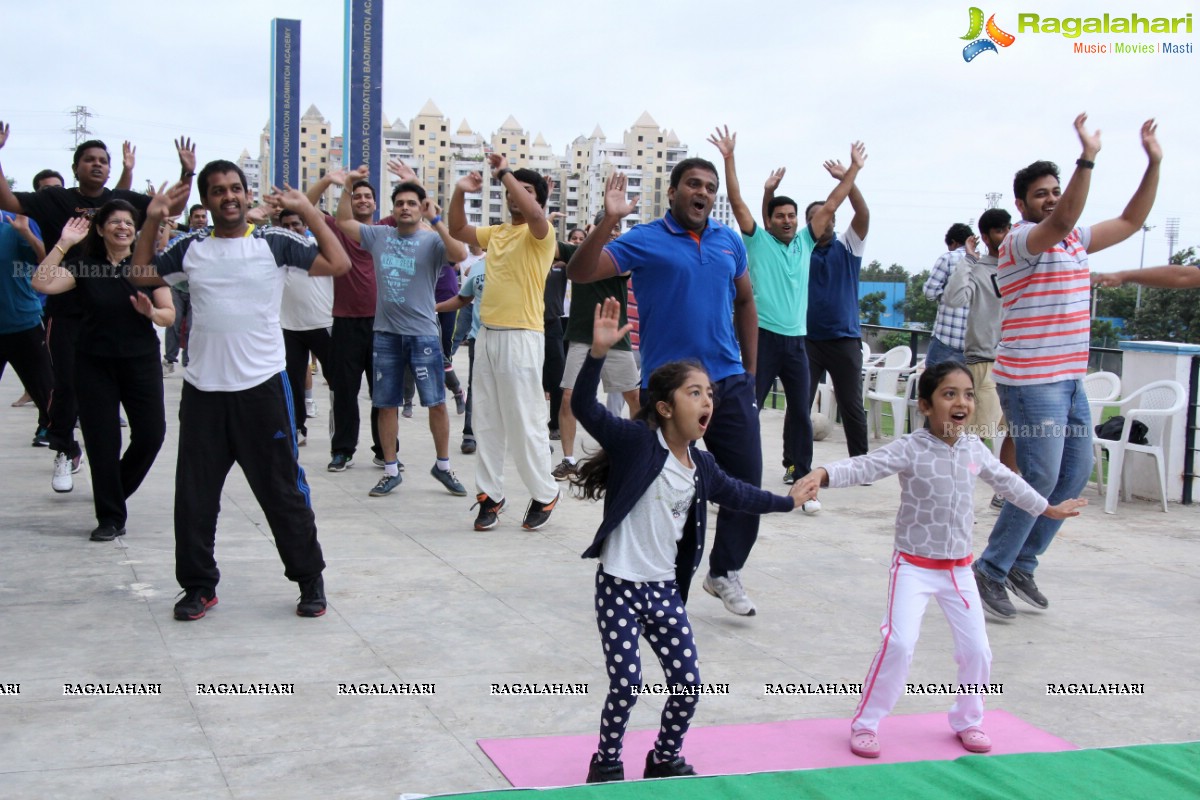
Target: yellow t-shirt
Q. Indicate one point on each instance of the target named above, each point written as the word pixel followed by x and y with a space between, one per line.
pixel 517 264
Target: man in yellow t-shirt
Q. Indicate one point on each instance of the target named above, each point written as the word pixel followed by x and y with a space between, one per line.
pixel 508 401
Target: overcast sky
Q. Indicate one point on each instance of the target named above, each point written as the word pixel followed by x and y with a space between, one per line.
pixel 797 84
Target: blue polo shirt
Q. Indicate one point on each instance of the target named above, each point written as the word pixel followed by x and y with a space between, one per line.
pixel 833 311
pixel 20 308
pixel 684 284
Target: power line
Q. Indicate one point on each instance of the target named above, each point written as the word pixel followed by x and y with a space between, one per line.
pixel 80 130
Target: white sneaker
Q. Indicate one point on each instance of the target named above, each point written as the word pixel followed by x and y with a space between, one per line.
pixel 811 507
pixel 310 407
pixel 301 439
pixel 730 590
pixel 62 481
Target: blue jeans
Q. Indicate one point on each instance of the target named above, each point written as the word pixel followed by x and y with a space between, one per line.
pixel 940 351
pixel 1051 428
pixel 392 353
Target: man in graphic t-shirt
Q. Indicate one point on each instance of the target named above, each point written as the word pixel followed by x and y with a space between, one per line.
pixel 407 263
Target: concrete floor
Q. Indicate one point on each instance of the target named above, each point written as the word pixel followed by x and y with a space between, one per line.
pixel 417 596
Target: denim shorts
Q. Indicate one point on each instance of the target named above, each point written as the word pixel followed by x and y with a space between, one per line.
pixel 392 353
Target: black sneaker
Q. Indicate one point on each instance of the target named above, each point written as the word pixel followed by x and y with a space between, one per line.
pixel 340 462
pixel 1022 585
pixel 538 514
pixel 602 772
pixel 447 478
pixel 106 533
pixel 489 512
pixel 564 471
pixel 675 768
pixel 312 598
pixel 39 438
pixel 468 446
pixel 995 599
pixel 789 476
pixel 194 604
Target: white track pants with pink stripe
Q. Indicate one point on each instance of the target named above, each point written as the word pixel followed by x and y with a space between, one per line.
pixel 909 591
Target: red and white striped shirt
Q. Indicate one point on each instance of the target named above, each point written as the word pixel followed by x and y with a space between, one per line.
pixel 1046 324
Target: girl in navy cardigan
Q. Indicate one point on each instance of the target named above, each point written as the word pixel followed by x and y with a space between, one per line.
pixel 651 539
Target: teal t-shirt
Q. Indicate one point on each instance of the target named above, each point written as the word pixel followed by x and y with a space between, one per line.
pixel 779 275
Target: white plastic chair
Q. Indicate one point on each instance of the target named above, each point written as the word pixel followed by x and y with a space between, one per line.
pixel 1155 404
pixel 910 399
pixel 1101 388
pixel 886 390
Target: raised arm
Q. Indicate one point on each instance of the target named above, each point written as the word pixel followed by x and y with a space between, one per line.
pixel 143 272
pixel 345 207
pixel 1113 231
pixel 316 190
pixel 725 143
pixel 773 181
pixel 456 251
pixel 471 183
pixel 20 224
pixel 845 176
pixel 128 159
pixel 331 258
pixel 527 204
pixel 186 149
pixel 590 263
pixel 1059 223
pixel 51 277
pixel 8 200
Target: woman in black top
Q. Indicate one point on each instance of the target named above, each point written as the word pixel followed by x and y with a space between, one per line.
pixel 117 356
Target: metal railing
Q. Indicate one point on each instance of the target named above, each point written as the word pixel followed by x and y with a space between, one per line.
pixel 1106 359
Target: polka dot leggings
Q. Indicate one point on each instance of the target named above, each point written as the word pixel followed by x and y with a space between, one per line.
pixel 626 610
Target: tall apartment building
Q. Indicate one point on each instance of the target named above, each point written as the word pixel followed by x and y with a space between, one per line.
pixel 315 154
pixel 441 154
pixel 252 168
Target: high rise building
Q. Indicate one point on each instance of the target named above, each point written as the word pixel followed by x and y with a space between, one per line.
pixel 441 154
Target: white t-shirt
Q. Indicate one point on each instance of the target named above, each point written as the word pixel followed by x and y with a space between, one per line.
pixel 236 287
pixel 307 302
pixel 646 543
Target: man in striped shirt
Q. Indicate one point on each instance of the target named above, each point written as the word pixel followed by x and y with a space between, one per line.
pixel 1043 353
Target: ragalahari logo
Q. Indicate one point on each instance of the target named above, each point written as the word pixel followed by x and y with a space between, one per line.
pixel 995 36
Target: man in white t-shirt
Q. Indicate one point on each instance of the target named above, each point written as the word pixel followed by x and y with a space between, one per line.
pixel 306 316
pixel 236 404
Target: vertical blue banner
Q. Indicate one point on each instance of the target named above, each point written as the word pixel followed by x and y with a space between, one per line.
pixel 363 113
pixel 284 167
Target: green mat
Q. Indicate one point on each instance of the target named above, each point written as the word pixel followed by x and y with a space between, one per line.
pixel 1146 772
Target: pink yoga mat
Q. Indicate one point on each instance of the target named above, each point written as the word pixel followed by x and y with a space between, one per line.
pixel 764 747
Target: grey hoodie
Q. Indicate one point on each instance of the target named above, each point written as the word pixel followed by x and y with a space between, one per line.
pixel 971 286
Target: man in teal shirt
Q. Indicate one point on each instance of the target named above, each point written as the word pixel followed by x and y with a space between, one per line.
pixel 779 263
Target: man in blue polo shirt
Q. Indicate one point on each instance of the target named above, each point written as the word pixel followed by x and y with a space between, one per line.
pixel 691 279
pixel 834 330
pixel 779 264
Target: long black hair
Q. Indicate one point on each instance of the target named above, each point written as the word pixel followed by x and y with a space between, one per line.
pixel 93 243
pixel 592 478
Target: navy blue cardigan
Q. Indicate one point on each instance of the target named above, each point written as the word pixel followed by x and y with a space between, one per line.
pixel 637 457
